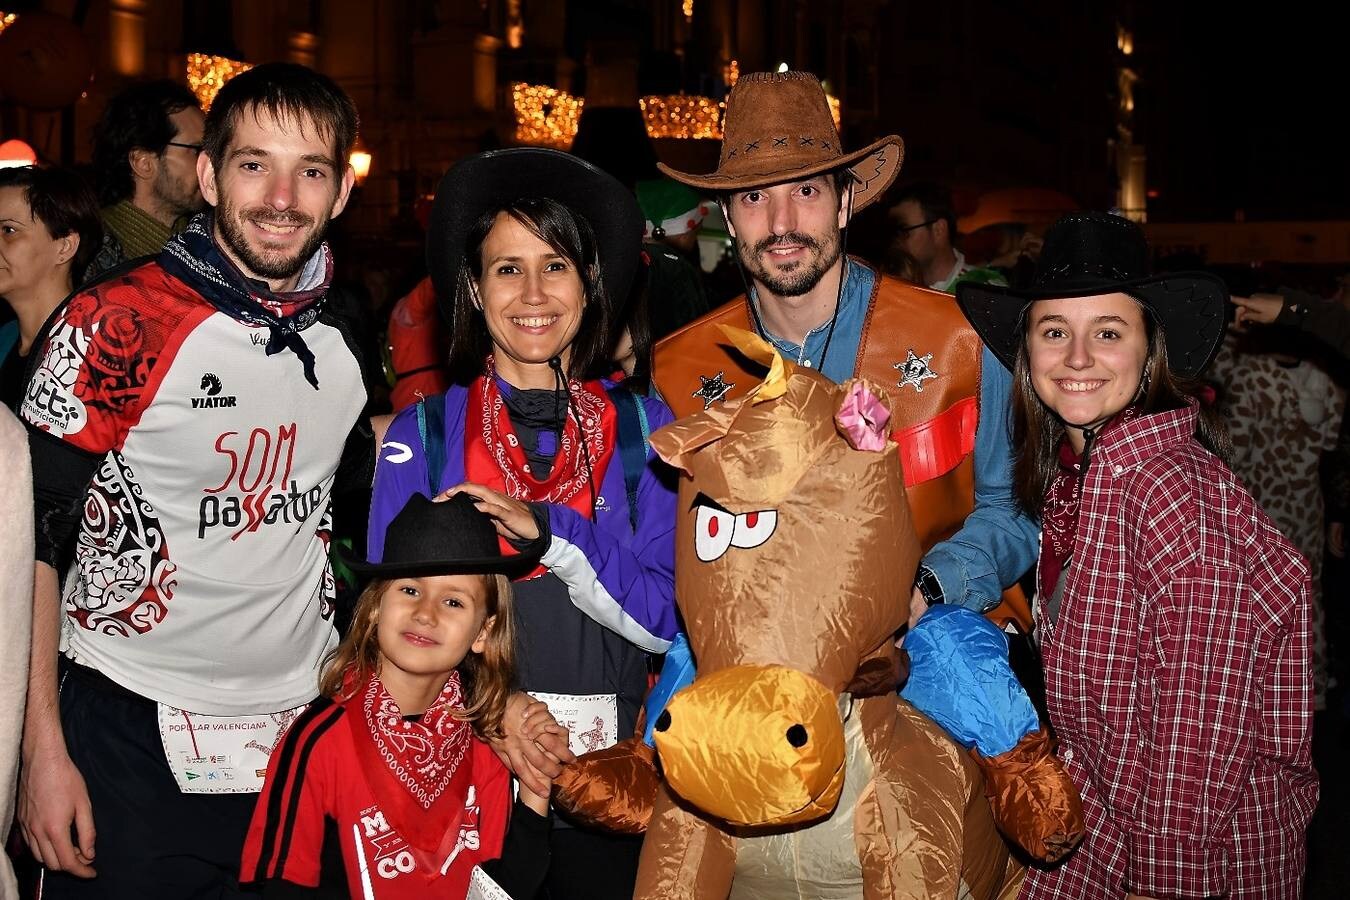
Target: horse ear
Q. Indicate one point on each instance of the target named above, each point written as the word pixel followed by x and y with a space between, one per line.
pixel 863 414
pixel 676 442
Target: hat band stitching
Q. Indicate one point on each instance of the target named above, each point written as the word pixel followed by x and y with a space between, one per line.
pixel 1099 269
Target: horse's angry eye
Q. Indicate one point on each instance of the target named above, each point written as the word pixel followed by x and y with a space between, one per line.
pixel 713 530
pixel 716 528
pixel 754 528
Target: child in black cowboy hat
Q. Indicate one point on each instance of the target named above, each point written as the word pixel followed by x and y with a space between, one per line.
pixel 1173 616
pixel 395 750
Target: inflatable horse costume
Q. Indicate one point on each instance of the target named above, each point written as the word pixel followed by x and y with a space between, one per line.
pixel 791 767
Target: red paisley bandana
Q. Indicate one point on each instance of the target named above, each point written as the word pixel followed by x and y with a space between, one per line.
pixel 493 455
pixel 419 771
pixel 1059 517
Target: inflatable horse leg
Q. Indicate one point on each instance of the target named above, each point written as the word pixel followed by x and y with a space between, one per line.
pixel 614 789
pixel 954 844
pixel 959 676
pixel 684 857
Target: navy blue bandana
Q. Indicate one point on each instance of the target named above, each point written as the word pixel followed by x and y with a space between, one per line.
pixel 193 257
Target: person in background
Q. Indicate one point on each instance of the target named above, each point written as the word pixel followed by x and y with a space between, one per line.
pixel 146 145
pixel 16 616
pixel 49 232
pixel 925 228
pixel 1283 412
pixel 1326 320
pixel 418 345
pixel 675 293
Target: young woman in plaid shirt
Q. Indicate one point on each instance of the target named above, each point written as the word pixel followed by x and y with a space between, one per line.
pixel 1173 616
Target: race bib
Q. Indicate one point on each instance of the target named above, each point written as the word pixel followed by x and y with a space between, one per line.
pixel 592 719
pixel 220 754
pixel 482 887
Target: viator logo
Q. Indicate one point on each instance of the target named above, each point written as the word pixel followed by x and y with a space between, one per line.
pixel 212 386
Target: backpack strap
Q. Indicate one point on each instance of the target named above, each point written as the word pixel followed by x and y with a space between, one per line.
pixel 9 337
pixel 633 433
pixel 431 427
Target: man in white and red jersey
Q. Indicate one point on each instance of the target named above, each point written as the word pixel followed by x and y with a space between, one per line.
pixel 187 419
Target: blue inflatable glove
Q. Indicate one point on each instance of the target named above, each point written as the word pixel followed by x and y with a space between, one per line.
pixel 677 672
pixel 959 677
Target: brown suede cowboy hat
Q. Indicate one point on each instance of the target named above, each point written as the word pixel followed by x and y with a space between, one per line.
pixel 778 128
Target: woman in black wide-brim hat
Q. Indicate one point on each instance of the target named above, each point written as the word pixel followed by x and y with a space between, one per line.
pixel 1173 616
pixel 530 252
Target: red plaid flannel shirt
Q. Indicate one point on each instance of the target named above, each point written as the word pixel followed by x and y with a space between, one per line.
pixel 1179 679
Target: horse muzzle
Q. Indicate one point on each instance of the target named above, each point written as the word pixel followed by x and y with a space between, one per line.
pixel 754 746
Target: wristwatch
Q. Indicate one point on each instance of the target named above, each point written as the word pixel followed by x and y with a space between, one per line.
pixel 929 586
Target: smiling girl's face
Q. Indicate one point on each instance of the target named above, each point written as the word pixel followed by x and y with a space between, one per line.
pixel 1086 357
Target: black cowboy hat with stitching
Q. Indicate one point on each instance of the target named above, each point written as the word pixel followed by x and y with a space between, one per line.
pixel 447 538
pixel 498 177
pixel 1087 254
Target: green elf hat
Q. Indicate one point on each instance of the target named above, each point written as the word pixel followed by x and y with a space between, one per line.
pixel 669 208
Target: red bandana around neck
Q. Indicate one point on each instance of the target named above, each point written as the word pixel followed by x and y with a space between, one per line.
pixel 419 771
pixel 433 779
pixel 1059 517
pixel 493 455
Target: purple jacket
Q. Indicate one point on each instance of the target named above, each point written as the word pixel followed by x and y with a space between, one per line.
pixel 623 580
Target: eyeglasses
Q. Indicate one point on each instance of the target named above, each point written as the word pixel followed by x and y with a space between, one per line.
pixel 195 148
pixel 906 229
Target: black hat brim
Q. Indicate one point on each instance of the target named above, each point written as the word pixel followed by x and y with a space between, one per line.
pixel 1188 305
pixel 498 177
pixel 510 566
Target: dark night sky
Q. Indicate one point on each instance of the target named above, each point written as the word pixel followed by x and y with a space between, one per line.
pixel 1242 110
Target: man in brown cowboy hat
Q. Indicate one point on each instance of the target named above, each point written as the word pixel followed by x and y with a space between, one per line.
pixel 788 189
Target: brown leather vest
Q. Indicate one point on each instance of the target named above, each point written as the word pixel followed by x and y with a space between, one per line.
pixel 934 396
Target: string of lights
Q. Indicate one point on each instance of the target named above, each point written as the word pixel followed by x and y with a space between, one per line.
pixel 206 75
pixel 686 116
pixel 545 116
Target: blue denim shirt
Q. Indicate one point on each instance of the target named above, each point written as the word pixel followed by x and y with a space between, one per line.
pixel 998 542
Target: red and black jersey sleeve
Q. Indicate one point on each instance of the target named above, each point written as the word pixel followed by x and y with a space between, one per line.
pixel 105 354
pixel 286 837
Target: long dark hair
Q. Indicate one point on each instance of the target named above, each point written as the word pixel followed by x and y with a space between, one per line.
pixel 1037 431
pixel 568 234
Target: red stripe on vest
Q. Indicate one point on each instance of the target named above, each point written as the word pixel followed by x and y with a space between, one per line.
pixel 933 448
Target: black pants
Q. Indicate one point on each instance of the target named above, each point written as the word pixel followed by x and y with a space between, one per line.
pixel 152 840
pixel 589 865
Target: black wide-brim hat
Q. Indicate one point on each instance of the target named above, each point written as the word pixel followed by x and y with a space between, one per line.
pixel 447 538
pixel 1091 253
pixel 499 177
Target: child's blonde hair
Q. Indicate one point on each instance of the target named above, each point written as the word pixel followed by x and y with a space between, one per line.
pixel 488 678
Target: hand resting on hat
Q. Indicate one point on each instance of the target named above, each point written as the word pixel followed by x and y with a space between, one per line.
pixel 512 518
pixel 535 747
